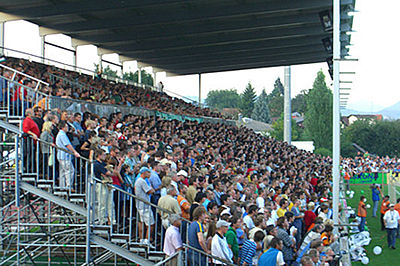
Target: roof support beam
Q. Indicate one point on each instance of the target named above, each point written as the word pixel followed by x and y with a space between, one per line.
pixel 201 28
pixel 210 11
pixel 70 8
pixel 244 59
pixel 221 39
pixel 43 31
pixel 5 17
pixel 249 65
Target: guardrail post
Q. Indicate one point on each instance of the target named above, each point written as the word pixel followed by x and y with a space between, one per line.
pixel 89 207
pixel 17 194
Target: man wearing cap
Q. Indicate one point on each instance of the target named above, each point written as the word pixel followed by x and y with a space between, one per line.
pixel 176 179
pixel 173 241
pixel 219 245
pixel 391 220
pixel 143 191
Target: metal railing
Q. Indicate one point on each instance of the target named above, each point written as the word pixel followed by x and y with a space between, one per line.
pixel 112 212
pixel 15 97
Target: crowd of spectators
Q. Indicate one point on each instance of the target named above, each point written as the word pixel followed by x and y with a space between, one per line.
pixel 237 193
pixel 240 196
pixel 97 89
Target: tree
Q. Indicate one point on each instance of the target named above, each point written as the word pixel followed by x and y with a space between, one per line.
pixel 275 99
pixel 223 99
pixel 248 99
pixel 299 102
pixel 106 71
pixel 261 111
pixel 277 127
pixel 377 137
pixel 147 78
pixel 318 116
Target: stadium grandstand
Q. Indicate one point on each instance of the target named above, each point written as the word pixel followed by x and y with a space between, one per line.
pixel 96 171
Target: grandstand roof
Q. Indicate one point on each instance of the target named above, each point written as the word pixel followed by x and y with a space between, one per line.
pixel 194 36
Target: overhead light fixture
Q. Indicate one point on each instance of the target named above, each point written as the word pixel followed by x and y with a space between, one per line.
pixel 329 60
pixel 326 20
pixel 328 44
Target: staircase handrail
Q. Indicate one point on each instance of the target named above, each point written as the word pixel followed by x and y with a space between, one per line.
pixel 160 209
pixel 25 75
pixel 140 199
pixel 208 255
pixel 16 130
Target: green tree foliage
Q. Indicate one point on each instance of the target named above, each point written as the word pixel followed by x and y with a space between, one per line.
pixel 223 99
pixel 261 111
pixel 277 132
pixel 248 99
pixel 106 71
pixel 318 116
pixel 275 99
pixel 299 102
pixel 147 78
pixel 377 137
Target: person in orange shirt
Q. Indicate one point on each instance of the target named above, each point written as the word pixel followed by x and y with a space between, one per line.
pixel 183 203
pixel 397 206
pixel 384 207
pixel 362 213
pixel 327 237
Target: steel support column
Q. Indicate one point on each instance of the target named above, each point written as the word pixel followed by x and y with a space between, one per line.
pixel 287 126
pixel 336 110
pixel 2 38
pixel 139 75
pixel 199 89
pixel 43 47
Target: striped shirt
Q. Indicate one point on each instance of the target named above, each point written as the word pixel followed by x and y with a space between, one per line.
pixel 248 252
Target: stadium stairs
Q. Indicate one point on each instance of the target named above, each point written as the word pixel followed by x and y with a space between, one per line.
pixel 41 222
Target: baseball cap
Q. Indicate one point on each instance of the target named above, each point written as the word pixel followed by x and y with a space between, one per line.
pixel 164 161
pixel 221 223
pixel 183 173
pixel 144 169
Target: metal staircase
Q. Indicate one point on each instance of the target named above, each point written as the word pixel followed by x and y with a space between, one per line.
pixel 42 223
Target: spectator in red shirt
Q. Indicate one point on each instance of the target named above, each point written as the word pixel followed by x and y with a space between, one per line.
pixel 30 128
pixel 309 215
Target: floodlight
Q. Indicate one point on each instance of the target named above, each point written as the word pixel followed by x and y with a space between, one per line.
pixel 328 44
pixel 326 20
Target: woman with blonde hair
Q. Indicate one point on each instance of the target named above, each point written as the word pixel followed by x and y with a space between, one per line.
pixel 48 157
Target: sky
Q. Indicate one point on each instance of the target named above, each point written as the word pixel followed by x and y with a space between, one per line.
pixel 374 43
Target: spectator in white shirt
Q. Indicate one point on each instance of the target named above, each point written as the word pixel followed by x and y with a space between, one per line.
pixel 173 240
pixel 248 219
pixel 391 220
pixel 260 199
pixel 219 245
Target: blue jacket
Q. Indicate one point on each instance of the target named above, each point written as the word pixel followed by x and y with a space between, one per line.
pixel 375 194
pixel 269 257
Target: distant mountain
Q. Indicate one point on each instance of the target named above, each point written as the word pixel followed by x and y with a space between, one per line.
pixel 392 112
pixel 347 112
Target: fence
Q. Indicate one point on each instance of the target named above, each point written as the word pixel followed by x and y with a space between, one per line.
pixel 100 109
pixel 15 97
pixel 99 208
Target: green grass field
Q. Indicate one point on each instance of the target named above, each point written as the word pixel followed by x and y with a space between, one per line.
pixel 388 256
